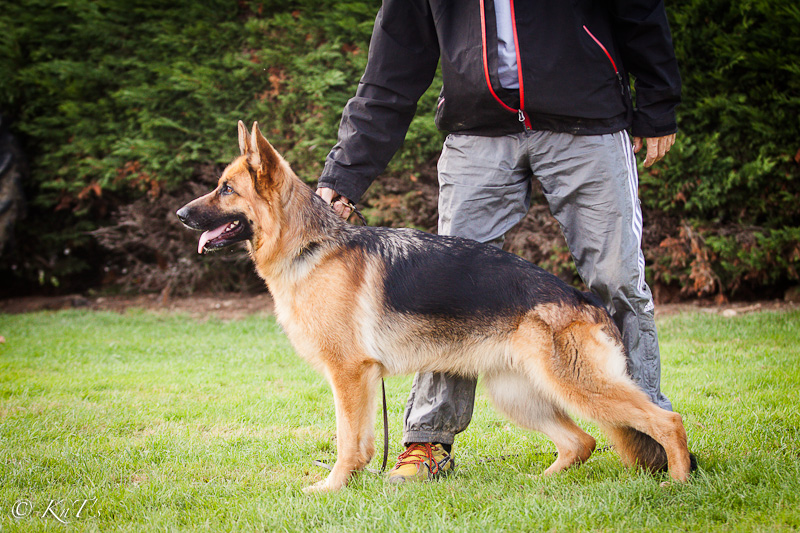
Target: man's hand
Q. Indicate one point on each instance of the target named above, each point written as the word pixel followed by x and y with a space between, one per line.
pixel 339 206
pixel 657 148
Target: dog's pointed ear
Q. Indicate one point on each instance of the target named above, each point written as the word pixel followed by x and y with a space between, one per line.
pixel 244 139
pixel 265 160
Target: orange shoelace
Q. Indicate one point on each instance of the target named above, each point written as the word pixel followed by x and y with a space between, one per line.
pixel 408 457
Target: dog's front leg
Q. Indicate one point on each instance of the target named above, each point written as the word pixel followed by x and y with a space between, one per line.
pixel 354 386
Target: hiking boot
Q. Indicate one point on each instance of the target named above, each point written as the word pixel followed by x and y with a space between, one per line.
pixel 420 462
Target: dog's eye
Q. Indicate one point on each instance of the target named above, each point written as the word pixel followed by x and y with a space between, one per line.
pixel 226 189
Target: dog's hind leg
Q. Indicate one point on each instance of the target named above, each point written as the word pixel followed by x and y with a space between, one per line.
pixel 518 398
pixel 586 372
pixel 354 387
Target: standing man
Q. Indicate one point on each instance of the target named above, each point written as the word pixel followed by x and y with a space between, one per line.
pixel 530 90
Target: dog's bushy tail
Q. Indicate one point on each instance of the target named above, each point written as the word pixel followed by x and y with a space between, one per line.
pixel 637 448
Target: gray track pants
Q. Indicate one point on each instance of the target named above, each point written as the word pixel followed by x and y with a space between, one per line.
pixel 591 185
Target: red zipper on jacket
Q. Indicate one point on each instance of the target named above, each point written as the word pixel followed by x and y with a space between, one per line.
pixel 520 112
pixel 522 116
pixel 608 55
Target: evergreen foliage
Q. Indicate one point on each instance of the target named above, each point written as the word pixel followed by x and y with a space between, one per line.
pixel 733 178
pixel 121 101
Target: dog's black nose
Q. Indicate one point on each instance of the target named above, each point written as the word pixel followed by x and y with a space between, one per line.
pixel 183 214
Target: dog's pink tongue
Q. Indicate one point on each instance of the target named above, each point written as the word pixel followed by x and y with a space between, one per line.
pixel 209 235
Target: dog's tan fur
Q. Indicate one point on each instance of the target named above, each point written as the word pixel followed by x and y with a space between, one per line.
pixel 537 364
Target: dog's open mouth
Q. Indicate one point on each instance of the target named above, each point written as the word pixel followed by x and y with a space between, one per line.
pixel 225 235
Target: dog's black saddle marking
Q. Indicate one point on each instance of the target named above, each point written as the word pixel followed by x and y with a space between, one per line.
pixel 454 277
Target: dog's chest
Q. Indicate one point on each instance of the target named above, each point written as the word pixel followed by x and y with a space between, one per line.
pixel 321 330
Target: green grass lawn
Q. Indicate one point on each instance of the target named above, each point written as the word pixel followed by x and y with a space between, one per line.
pixel 153 421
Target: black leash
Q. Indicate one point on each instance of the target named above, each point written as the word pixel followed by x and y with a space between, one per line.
pixel 383 383
pixel 355 210
pixel 604 449
pixel 385 429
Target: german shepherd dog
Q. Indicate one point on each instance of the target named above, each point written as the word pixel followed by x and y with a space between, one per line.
pixel 360 303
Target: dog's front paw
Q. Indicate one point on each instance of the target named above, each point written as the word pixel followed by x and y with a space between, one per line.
pixel 321 487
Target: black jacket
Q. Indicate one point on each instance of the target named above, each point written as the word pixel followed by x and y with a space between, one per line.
pixel 574 60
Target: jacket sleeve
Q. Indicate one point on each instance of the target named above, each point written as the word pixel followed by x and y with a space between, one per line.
pixel 643 36
pixel 403 55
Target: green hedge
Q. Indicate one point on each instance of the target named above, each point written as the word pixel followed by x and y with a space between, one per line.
pixel 733 178
pixel 120 100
